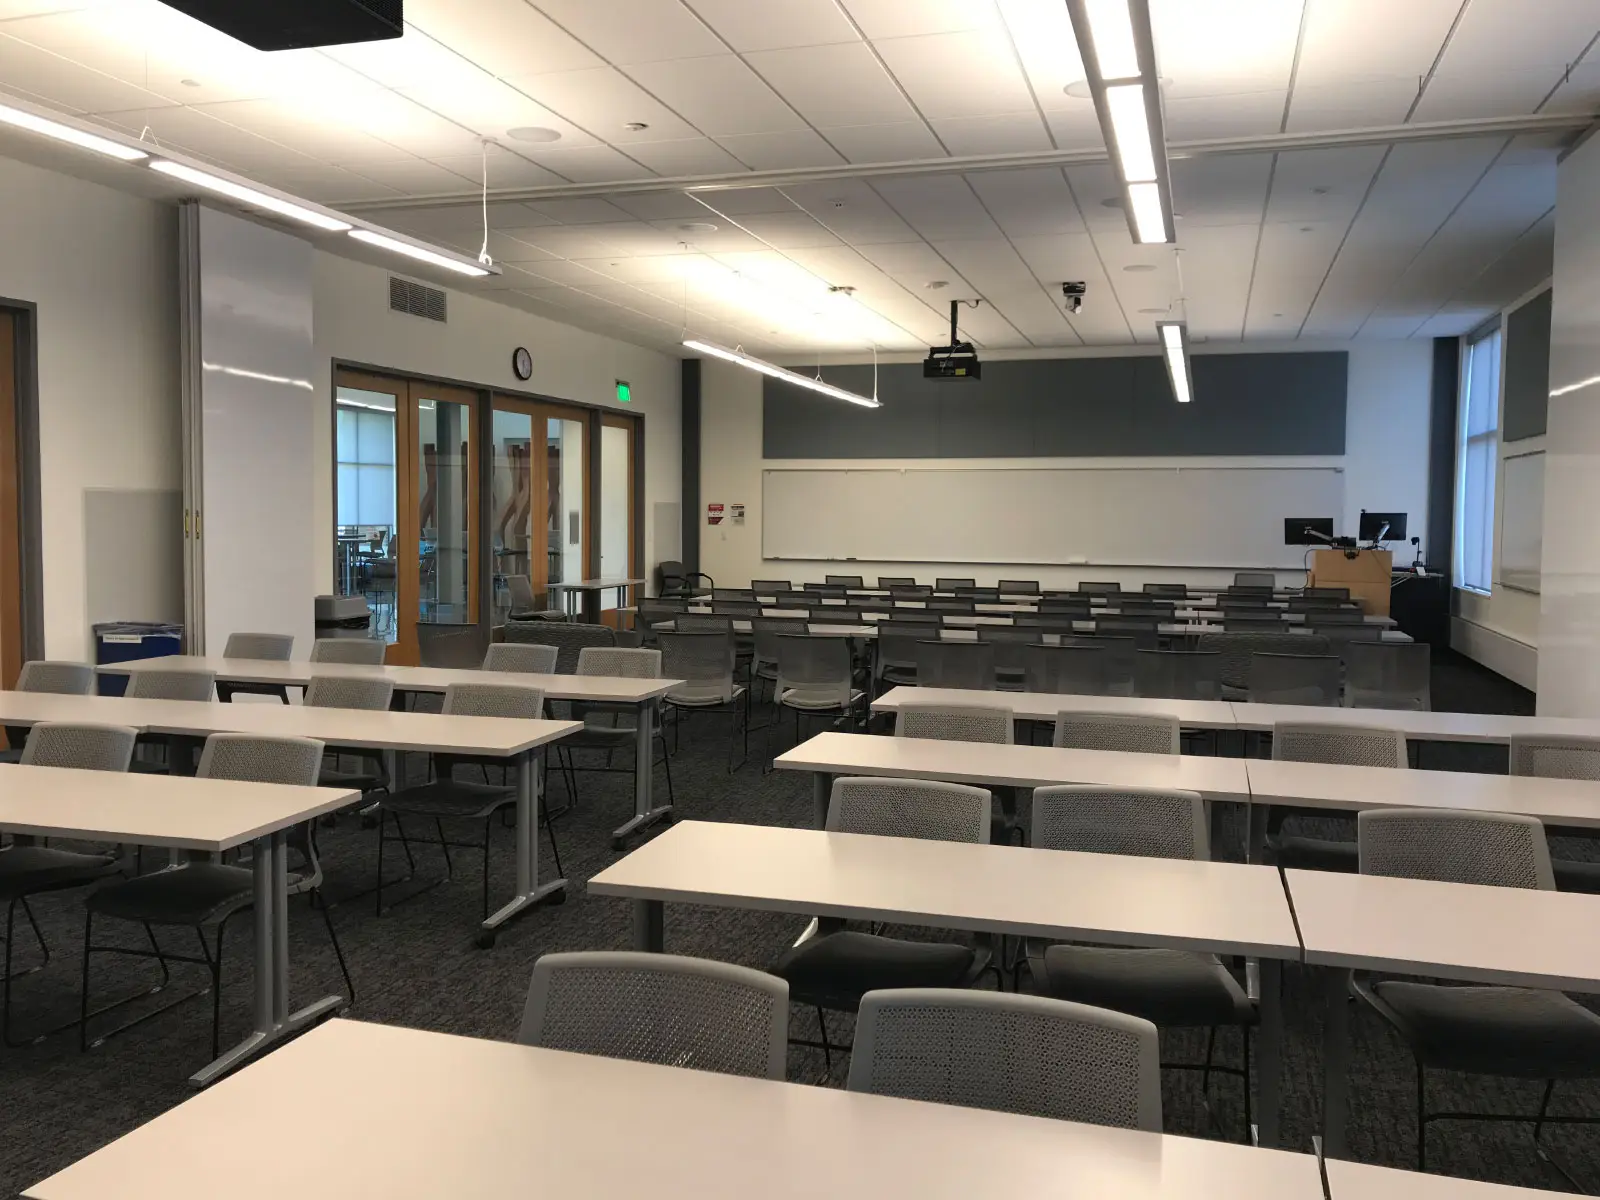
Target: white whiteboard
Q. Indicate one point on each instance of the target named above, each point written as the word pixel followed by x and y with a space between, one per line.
pixel 1100 516
pixel 1522 521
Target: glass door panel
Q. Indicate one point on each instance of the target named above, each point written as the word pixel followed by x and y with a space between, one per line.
pixel 565 520
pixel 539 518
pixel 618 537
pixel 366 508
pixel 515 542
pixel 446 508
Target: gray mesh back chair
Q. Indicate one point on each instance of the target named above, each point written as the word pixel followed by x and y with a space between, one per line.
pixel 736 595
pixel 568 639
pixel 1509 1032
pixel 1294 679
pixel 367 651
pixel 1081 670
pixel 358 770
pixel 447 797
pixel 1016 1054
pixel 834 969
pixel 1018 587
pixel 660 1008
pixel 1341 616
pixel 1172 988
pixel 1143 632
pixel 1154 734
pixel 1258 579
pixel 1563 758
pixel 1388 675
pixel 894 581
pixel 1340 745
pixel 1237 648
pixel 1010 644
pixel 520 600
pixel 966 665
pixel 706 663
pixel 1121 655
pixel 1178 674
pixel 459 647
pixel 522 658
pixel 955 723
pixel 30 868
pixel 203 895
pixel 896 659
pixel 611 728
pixel 849 581
pixel 770 587
pixel 273 647
pixel 161 684
pixel 944 583
pixel 60 678
pixel 765 633
pixel 1179 591
pixel 1093 587
pixel 816 677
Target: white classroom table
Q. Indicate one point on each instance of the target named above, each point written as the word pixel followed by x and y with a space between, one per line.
pixel 1360 1181
pixel 209 815
pixel 517 741
pixel 590 589
pixel 1517 937
pixel 426 1115
pixel 1209 907
pixel 1043 706
pixel 643 694
pixel 1488 728
pixel 831 754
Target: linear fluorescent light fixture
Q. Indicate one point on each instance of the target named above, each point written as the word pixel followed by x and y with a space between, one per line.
pixel 777 372
pixel 245 194
pixel 1119 58
pixel 436 258
pixel 21 118
pixel 1175 349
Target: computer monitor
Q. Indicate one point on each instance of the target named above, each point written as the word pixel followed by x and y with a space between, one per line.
pixel 1295 531
pixel 1373 527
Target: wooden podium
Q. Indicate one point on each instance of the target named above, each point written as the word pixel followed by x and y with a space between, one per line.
pixel 1366 575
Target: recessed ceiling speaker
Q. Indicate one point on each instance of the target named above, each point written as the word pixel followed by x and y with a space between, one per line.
pixel 298 24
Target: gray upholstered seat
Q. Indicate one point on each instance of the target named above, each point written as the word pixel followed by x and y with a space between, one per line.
pixel 659 1008
pixel 1167 987
pixel 1017 1054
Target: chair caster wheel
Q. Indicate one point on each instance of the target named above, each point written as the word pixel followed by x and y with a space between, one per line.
pixel 485 939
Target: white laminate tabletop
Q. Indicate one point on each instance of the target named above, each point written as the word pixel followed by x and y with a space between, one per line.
pixel 1424 726
pixel 1515 936
pixel 1214 778
pixel 1043 706
pixel 1360 1181
pixel 594 585
pixel 428 1115
pixel 359 728
pixel 154 810
pixel 1320 785
pixel 1221 907
pixel 298 672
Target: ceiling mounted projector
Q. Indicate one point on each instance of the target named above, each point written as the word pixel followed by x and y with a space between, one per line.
pixel 298 24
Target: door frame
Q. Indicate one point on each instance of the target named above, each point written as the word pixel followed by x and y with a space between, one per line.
pixel 542 410
pixel 21 541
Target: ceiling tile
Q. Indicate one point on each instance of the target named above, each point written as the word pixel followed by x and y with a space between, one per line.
pixel 719 94
pixel 1509 37
pixel 602 101
pixel 1290 264
pixel 959 74
pixel 1028 203
pixel 505 37
pixel 689 156
pixel 1351 105
pixel 1225 47
pixel 1248 115
pixel 415 177
pixel 579 210
pixel 1222 190
pixel 1339 49
pixel 330 141
pixel 587 164
pixel 1075 128
pixel 26 68
pixel 863 218
pixel 834 85
pixel 1013 133
pixel 939 206
pixel 1042 34
pixel 210 138
pixel 788 231
pixel 1216 276
pixel 897 19
pixel 661 206
pixel 327 185
pixel 780 151
pixel 1322 185
pixel 748 26
pixel 907 141
pixel 633 31
pixel 489 107
pixel 735 202
pixel 506 169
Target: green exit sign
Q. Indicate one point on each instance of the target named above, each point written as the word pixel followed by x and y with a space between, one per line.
pixel 624 392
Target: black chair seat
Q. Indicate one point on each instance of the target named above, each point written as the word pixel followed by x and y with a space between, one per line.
pixel 1576 875
pixel 1516 1032
pixel 452 798
pixel 1172 988
pixel 601 737
pixel 902 676
pixel 200 893
pixel 358 779
pixel 835 970
pixel 1314 854
pixel 28 869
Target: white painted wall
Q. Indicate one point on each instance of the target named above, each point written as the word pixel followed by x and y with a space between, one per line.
pixel 1385 463
pixel 356 325
pixel 102 267
pixel 1569 612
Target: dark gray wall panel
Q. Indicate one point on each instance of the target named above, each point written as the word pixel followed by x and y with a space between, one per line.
pixel 1527 369
pixel 1095 407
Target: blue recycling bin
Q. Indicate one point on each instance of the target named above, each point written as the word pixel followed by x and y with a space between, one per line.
pixel 123 641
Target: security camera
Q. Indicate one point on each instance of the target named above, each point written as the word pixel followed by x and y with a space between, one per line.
pixel 1072 295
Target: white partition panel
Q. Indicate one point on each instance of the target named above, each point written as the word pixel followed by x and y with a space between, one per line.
pixel 1106 516
pixel 248 409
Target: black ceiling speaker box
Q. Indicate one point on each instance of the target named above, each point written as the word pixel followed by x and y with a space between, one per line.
pixel 298 24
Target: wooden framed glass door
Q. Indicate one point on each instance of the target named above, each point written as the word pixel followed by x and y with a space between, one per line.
pixel 538 516
pixel 10 510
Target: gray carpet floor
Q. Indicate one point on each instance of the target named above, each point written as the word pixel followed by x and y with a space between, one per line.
pixel 417 966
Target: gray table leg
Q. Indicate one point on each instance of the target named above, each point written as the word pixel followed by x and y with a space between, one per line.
pixel 1269 1056
pixel 648 926
pixel 1335 1061
pixel 821 794
pixel 645 813
pixel 273 1020
pixel 529 890
pixel 1257 850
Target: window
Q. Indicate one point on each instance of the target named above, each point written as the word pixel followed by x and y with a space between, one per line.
pixel 1477 456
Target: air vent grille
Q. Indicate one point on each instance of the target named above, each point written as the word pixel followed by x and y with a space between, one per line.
pixel 417 299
